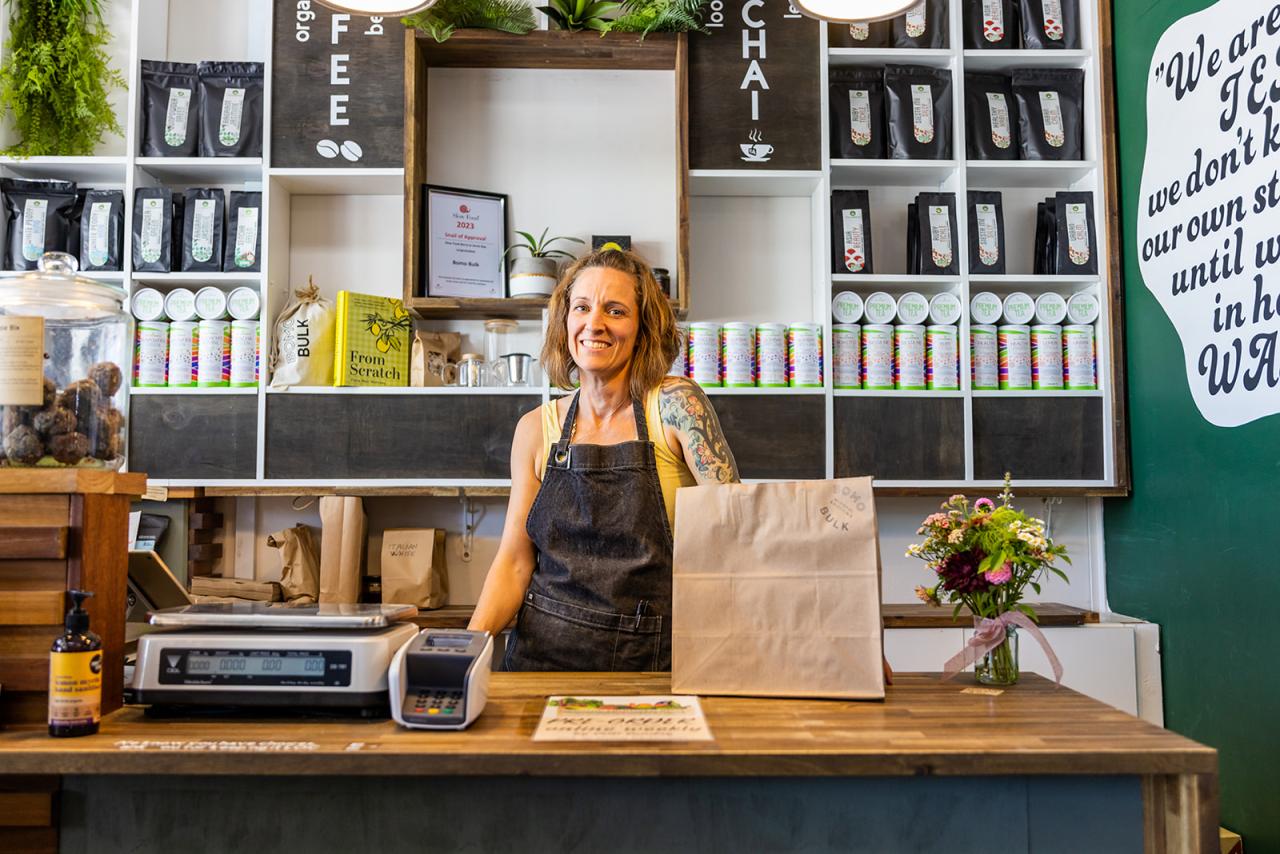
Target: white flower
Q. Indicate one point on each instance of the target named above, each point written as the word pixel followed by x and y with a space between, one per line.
pixel 1027 537
pixel 955 537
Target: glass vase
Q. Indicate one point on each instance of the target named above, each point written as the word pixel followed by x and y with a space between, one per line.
pixel 1000 665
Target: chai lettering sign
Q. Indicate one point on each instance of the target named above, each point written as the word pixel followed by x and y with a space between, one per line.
pixel 337 88
pixel 754 94
pixel 1208 231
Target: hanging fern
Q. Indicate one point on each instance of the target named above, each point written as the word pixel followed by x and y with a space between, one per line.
pixel 660 16
pixel 56 79
pixel 439 21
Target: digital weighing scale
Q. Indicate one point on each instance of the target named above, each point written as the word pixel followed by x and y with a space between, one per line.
pixel 259 654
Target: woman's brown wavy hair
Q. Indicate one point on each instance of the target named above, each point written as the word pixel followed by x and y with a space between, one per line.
pixel 657 339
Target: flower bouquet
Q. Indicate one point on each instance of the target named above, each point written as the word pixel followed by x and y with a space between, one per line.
pixel 985 556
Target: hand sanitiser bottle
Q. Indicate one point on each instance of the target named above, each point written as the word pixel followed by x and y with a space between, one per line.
pixel 75 675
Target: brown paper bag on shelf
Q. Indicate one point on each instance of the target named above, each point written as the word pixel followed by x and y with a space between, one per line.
pixel 413 567
pixel 776 590
pixel 342 534
pixel 299 564
pixel 428 355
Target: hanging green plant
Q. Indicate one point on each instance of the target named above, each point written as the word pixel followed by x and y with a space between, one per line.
pixel 439 21
pixel 57 76
pixel 660 16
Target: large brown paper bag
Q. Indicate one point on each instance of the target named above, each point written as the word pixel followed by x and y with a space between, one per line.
pixel 413 570
pixel 299 564
pixel 776 590
pixel 341 548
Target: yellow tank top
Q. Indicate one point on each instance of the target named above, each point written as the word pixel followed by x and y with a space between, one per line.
pixel 672 471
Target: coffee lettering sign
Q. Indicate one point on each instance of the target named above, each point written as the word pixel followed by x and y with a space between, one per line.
pixel 337 88
pixel 754 95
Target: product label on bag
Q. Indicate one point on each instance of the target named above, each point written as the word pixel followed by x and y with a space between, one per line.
pixel 988 235
pixel 922 112
pixel 246 236
pixel 860 32
pixel 855 257
pixel 75 687
pixel 1053 19
pixel 860 116
pixel 917 21
pixel 33 217
pixel 175 116
pixel 21 360
pixel 202 230
pixel 1078 234
pixel 940 235
pixel 998 109
pixel 152 225
pixel 1051 109
pixel 229 121
pixel 992 20
pixel 99 217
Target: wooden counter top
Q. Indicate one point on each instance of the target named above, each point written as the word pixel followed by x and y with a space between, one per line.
pixel 29 481
pixel 924 727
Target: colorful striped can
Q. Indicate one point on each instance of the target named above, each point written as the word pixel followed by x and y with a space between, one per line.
pixel 1079 366
pixel 804 355
pixel 151 354
pixel 984 354
pixel 180 304
pixel 245 352
pixel 771 355
pixel 942 357
pixel 877 356
pixel 214 367
pixel 1046 355
pixel 1015 357
pixel 846 348
pixel 908 357
pixel 184 353
pixel 737 354
pixel 704 353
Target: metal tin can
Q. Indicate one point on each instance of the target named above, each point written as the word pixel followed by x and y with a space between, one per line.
pixel 877 356
pixel 244 304
pixel 908 357
pixel 846 307
pixel 1082 308
pixel 214 360
pixel 244 353
pixel 1018 309
pixel 184 350
pixel 704 353
pixel 1015 356
pixel 771 355
pixel 804 354
pixel 147 304
pixel 945 309
pixel 913 309
pixel 880 308
pixel 985 308
pixel 1051 309
pixel 737 354
pixel 942 357
pixel 984 355
pixel 1079 367
pixel 180 304
pixel 846 359
pixel 680 365
pixel 211 303
pixel 1046 356
pixel 151 354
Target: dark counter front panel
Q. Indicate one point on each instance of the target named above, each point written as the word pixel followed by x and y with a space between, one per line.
pixel 393 435
pixel 1038 438
pixel 194 437
pixel 899 438
pixel 775 436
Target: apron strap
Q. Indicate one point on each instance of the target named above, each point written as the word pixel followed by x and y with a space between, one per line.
pixel 566 432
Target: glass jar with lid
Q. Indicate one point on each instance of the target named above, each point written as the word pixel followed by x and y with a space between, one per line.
pixel 65 344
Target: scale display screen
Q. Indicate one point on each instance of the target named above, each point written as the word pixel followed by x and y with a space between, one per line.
pixel 293 667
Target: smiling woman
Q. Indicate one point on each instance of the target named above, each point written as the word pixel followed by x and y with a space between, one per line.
pixel 585 557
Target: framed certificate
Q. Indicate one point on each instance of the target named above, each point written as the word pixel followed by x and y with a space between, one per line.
pixel 464 243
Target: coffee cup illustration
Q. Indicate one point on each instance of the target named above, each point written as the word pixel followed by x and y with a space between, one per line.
pixel 756 152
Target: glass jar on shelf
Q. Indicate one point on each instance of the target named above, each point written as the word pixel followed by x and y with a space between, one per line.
pixel 65 345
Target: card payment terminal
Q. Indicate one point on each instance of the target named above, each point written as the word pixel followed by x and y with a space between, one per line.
pixel 440 679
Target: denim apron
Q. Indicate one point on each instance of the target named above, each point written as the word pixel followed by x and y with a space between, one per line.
pixel 600 596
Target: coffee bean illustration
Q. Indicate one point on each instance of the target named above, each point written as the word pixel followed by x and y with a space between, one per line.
pixel 327 148
pixel 351 150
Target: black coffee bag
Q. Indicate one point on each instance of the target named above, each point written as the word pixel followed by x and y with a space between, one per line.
pixel 230 109
pixel 170 109
pixel 243 251
pixel 1076 252
pixel 102 230
pixel 1044 262
pixel 919 101
pixel 938 253
pixel 924 25
pixel 850 232
pixel 153 230
pixel 177 218
pixel 39 217
pixel 73 221
pixel 990 24
pixel 857 113
pixel 986 233
pixel 1050 24
pixel 913 239
pixel 876 34
pixel 1050 113
pixel 202 230
pixel 990 117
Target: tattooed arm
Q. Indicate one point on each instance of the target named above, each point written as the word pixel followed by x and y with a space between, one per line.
pixel 687 413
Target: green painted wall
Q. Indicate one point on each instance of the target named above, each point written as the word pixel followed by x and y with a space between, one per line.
pixel 1195 547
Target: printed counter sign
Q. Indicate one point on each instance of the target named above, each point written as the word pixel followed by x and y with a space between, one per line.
pixel 1208 232
pixel 754 97
pixel 337 88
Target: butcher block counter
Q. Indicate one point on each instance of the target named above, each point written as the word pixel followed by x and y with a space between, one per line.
pixel 947 763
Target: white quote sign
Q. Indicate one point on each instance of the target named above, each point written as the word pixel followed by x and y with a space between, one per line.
pixel 1208 233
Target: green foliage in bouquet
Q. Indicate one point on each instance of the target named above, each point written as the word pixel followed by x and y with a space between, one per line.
pixel 660 16
pixel 57 76
pixel 439 21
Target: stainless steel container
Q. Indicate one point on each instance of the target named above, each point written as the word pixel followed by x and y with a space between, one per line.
pixel 471 370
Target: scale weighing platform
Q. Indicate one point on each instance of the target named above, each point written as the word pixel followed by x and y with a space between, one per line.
pixel 264 655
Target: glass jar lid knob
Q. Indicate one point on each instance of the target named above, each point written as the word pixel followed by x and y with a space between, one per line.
pixel 58 263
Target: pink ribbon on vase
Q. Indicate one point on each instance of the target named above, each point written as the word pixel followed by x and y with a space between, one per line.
pixel 989 633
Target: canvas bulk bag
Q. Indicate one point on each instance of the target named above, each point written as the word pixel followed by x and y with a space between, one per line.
pixel 342 533
pixel 302 347
pixel 776 590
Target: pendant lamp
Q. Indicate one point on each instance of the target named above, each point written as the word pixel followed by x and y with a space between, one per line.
pixel 853 11
pixel 391 8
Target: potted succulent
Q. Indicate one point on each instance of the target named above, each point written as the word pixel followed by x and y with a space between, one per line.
pixel 536 274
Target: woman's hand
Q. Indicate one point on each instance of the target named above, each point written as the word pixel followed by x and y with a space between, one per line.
pixel 687 412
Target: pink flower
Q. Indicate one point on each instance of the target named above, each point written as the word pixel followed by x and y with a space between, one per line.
pixel 1001 574
pixel 984 504
pixel 927 596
